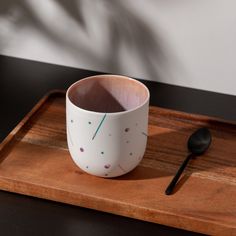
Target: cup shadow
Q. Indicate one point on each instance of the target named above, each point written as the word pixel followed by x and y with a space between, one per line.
pixel 142 173
pixel 158 151
pixel 167 150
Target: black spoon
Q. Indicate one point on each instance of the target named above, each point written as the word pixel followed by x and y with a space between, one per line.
pixel 198 143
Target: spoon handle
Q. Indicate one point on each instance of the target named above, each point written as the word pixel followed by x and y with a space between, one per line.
pixel 172 184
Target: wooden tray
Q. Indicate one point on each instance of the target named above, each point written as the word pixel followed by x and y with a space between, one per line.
pixel 35 161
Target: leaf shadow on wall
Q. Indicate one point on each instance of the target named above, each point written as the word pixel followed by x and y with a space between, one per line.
pixel 122 28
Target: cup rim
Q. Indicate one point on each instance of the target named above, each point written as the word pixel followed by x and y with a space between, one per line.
pixel 108 113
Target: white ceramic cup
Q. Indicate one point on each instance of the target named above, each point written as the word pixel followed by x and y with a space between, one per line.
pixel 107 122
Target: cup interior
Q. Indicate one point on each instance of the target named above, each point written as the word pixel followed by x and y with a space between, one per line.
pixel 108 93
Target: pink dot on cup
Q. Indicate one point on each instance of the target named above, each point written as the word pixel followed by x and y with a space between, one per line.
pixel 107 166
pixel 81 149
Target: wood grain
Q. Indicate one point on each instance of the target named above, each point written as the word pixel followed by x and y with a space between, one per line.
pixel 35 161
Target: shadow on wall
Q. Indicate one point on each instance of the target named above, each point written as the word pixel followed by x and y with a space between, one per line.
pixel 75 26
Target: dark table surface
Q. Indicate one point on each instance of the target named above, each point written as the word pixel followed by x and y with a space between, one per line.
pixel 22 84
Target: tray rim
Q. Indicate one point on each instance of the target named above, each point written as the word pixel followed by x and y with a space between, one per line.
pixel 27 117
pixel 54 92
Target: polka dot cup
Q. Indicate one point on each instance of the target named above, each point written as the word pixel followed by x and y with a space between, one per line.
pixel 107 122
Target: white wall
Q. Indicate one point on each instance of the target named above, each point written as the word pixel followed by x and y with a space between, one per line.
pixel 185 42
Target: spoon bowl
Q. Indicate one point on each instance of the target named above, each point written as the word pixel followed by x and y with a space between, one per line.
pixel 199 141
